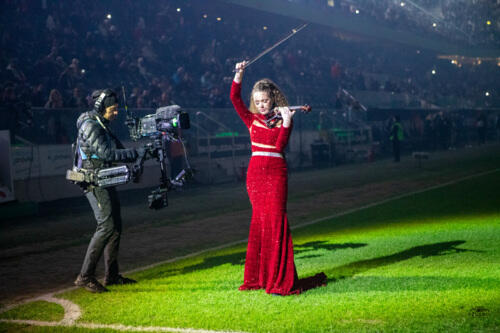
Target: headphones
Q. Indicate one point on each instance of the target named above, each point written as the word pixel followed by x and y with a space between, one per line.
pixel 98 103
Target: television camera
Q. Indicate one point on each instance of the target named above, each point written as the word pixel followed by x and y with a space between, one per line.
pixel 158 129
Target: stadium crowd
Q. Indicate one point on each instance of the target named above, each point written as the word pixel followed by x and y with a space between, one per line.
pixel 470 21
pixel 55 53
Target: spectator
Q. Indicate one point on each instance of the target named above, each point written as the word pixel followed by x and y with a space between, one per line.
pixel 77 100
pixel 71 75
pixel 55 100
pixel 481 128
pixel 55 131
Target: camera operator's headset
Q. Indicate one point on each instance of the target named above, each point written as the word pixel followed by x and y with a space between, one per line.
pixel 98 107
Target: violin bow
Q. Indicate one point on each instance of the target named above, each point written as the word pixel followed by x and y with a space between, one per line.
pixel 272 47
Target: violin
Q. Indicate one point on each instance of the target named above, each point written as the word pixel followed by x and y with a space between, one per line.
pixel 276 115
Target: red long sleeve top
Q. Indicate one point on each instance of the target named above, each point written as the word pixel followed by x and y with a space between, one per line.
pixel 263 138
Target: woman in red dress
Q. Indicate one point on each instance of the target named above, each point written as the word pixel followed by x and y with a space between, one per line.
pixel 269 261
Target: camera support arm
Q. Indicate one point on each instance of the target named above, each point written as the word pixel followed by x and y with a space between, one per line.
pixel 131 121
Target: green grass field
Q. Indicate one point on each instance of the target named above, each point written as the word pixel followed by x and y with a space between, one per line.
pixel 426 262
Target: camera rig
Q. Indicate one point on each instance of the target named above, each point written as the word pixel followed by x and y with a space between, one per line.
pixel 159 129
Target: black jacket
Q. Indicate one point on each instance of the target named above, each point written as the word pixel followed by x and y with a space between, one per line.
pixel 98 147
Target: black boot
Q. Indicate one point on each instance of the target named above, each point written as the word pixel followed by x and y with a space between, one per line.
pixel 90 284
pixel 118 280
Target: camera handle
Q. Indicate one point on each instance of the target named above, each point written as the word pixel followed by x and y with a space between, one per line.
pixel 138 166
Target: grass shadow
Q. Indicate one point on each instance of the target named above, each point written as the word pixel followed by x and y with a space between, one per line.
pixel 423 251
pixel 238 258
pixel 301 250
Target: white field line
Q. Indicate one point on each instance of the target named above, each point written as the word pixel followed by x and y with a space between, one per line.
pixel 117 327
pixel 72 312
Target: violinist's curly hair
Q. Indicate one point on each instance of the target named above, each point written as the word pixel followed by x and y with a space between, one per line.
pixel 274 92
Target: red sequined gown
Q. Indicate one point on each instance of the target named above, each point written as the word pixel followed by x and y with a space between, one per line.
pixel 269 261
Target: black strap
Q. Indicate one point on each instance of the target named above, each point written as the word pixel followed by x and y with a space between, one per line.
pixel 118 143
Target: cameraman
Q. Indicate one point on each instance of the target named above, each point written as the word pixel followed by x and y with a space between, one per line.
pixel 97 147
